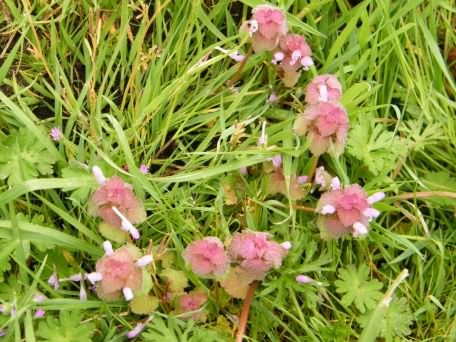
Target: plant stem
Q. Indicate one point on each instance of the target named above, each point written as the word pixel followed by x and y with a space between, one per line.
pixel 245 311
pixel 313 167
pixel 217 293
pixel 304 208
pixel 423 194
pixel 237 75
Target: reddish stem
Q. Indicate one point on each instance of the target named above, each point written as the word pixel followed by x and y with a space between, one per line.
pixel 237 75
pixel 313 167
pixel 245 311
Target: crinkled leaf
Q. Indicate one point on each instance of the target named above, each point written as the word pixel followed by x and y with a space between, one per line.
pixel 177 280
pixel 112 233
pixel 143 305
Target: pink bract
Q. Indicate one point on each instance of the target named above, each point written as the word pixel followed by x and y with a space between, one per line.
pixel 326 124
pixel 267 25
pixel 207 257
pixel 323 88
pixel 116 193
pixel 118 271
pixel 342 209
pixel 192 301
pixel 255 253
pixel 294 54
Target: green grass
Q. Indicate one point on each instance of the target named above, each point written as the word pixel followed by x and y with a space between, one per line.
pixel 131 84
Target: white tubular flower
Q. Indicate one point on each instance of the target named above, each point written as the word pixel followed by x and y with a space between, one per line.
pixel 128 293
pixel 107 246
pixel 323 90
pixel 378 196
pixel 75 277
pixel 126 225
pixel 295 57
pixel 82 293
pixel 134 233
pixel 278 57
pixel 136 331
pixel 99 176
pixel 286 245
pixel 253 27
pixel 94 277
pixel 237 57
pixel 371 213
pixel 335 183
pixel 319 176
pixel 328 209
pixel 144 261
pixel 263 139
pixel 359 229
pixel 306 62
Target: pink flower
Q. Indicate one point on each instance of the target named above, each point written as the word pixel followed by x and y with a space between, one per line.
pixel 272 98
pixel 144 169
pixel 56 134
pixel 345 211
pixel 193 301
pixel 39 313
pixel 207 257
pixel 294 54
pixel 138 329
pixel 116 193
pixel 323 88
pixel 266 27
pixel 303 279
pixel 54 281
pixel 276 161
pixel 326 124
pixel 255 253
pixel 119 273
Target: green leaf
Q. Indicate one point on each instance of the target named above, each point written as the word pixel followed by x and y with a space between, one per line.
pixel 357 288
pixel 81 193
pixel 68 328
pixel 376 147
pixel 112 233
pixel 143 305
pixel 177 280
pixel 174 330
pixel 396 322
pixel 440 181
pixel 24 157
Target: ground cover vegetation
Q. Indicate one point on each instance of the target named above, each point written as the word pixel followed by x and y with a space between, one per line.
pixel 227 170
